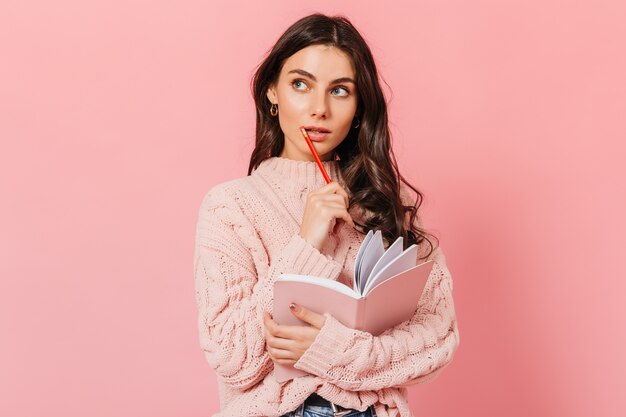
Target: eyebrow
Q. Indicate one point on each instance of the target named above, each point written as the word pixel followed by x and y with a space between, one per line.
pixel 311 76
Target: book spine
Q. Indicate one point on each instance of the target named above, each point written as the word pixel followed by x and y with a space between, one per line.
pixel 360 313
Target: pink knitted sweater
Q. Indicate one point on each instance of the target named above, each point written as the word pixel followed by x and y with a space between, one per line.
pixel 247 235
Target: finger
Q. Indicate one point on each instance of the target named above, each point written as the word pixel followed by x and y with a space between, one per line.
pixel 348 219
pixel 335 188
pixel 323 199
pixel 340 213
pixel 271 326
pixel 338 226
pixel 283 361
pixel 288 332
pixel 339 199
pixel 344 194
pixel 282 356
pixel 314 319
pixel 330 208
pixel 276 330
pixel 330 197
pixel 338 189
pixel 331 187
pixel 280 343
pixel 277 353
pixel 266 324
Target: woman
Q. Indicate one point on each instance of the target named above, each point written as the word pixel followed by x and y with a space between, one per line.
pixel 283 218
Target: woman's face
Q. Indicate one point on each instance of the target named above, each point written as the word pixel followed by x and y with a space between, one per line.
pixel 316 87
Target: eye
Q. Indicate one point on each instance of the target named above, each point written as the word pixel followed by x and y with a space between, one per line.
pixel 342 91
pixel 299 84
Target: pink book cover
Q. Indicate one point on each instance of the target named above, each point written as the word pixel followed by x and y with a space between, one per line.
pixel 390 298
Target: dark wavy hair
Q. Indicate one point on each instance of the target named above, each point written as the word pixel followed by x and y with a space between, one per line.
pixel 366 159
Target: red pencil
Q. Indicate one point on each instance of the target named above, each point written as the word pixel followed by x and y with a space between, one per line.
pixel 314 152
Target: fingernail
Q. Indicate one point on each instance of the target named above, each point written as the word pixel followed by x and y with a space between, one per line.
pixel 293 307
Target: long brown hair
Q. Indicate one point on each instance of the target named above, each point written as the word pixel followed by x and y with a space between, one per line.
pixel 366 159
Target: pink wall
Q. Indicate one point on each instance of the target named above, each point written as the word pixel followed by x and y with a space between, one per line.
pixel 116 117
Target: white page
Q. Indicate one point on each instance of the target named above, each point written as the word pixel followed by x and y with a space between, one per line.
pixel 359 257
pixel 321 281
pixel 372 253
pixel 404 261
pixel 390 254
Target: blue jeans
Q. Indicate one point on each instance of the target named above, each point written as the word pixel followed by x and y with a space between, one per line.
pixel 306 410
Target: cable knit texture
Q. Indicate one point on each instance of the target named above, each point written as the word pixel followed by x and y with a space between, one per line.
pixel 247 234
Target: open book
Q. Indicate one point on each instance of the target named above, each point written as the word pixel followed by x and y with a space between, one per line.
pixel 386 289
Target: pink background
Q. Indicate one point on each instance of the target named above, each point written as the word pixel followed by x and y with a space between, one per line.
pixel 116 117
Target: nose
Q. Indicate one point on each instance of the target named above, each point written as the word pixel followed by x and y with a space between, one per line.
pixel 319 106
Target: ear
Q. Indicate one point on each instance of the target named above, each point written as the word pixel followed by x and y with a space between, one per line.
pixel 271 94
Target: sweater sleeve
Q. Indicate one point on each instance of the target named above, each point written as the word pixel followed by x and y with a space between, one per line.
pixel 232 290
pixel 411 352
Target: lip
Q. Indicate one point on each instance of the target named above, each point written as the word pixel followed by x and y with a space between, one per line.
pixel 319 136
pixel 318 128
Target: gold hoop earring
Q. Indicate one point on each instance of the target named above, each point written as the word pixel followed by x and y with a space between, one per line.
pixel 274 110
pixel 358 122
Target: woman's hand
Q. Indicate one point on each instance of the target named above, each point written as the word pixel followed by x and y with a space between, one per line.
pixel 286 344
pixel 326 210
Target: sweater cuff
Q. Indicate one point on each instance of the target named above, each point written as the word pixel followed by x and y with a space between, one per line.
pixel 330 343
pixel 302 258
